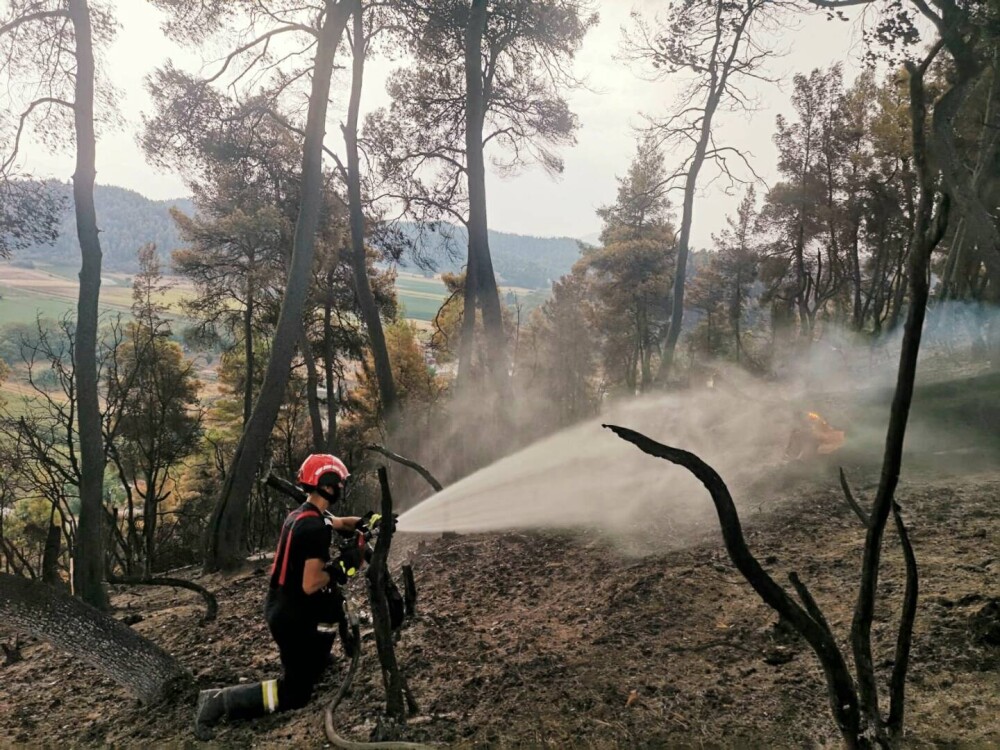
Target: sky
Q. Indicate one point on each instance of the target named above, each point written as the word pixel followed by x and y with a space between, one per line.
pixel 610 108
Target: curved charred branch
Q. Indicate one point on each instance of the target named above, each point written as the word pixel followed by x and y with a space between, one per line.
pixel 897 684
pixel 211 603
pixel 144 669
pixel 849 496
pixel 378 573
pixel 810 603
pixel 408 463
pixel 840 685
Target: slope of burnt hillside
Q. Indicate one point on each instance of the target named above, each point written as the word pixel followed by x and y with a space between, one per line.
pixel 537 640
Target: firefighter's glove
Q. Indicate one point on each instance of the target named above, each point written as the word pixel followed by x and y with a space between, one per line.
pixel 336 571
pixel 367 522
pixel 350 560
pixel 372 520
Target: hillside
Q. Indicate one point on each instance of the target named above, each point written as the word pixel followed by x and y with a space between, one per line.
pixel 128 220
pixel 518 260
pixel 534 640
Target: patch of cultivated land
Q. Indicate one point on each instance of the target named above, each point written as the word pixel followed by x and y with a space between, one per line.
pixel 51 291
pixel 534 640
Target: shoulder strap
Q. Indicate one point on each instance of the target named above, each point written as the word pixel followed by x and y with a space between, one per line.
pixel 285 542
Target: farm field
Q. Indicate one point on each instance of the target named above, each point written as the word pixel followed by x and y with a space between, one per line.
pixel 50 291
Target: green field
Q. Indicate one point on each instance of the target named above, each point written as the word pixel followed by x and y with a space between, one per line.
pixel 21 302
pixel 420 297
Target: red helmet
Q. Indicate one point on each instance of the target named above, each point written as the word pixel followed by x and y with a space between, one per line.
pixel 317 469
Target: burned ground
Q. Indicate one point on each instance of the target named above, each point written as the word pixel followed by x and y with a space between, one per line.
pixel 535 640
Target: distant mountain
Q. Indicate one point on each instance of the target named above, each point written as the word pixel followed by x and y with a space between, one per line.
pixel 518 260
pixel 128 220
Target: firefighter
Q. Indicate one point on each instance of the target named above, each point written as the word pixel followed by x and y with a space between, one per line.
pixel 302 601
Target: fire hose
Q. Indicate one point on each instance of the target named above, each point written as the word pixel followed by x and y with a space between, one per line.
pixel 365 538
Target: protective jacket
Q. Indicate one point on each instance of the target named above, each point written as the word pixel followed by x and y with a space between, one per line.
pixel 292 615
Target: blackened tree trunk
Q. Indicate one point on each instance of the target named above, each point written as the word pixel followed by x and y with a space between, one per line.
pixel 249 355
pixel 312 394
pixel 927 232
pixel 53 546
pixel 224 536
pixel 329 358
pixel 140 666
pixel 480 283
pixel 149 503
pixel 88 569
pixel 378 573
pixel 359 261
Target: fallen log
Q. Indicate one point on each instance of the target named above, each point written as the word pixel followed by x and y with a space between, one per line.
pixel 144 669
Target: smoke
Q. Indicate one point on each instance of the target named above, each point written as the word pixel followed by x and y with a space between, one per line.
pixel 584 477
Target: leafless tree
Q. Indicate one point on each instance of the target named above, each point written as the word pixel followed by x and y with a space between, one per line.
pixel 717 44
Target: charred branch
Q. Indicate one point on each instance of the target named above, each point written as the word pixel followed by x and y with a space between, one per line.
pixel 849 497
pixel 409 591
pixel 285 487
pixel 897 684
pixel 377 574
pixel 408 463
pixel 840 685
pixel 211 603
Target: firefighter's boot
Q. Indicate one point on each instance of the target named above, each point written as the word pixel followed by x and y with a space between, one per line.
pixel 237 702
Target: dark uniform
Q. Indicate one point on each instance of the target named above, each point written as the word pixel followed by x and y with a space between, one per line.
pixel 292 615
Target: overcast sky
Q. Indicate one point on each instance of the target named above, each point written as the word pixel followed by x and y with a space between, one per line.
pixel 530 202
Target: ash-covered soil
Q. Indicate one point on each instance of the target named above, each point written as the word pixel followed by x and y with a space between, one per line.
pixel 538 640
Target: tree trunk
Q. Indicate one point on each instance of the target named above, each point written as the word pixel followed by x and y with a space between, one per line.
pixel 249 358
pixel 329 355
pixel 480 283
pixel 719 79
pixel 140 666
pixel 88 568
pixel 149 525
pixel 312 397
pixel 50 555
pixel 927 232
pixel 683 246
pixel 359 260
pixel 224 536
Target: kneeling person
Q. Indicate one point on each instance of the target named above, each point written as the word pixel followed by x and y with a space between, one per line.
pixel 302 602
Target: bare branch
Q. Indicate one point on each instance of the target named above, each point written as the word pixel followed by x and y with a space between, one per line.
pixel 250 45
pixel 849 496
pixel 42 14
pixel 407 462
pixel 20 125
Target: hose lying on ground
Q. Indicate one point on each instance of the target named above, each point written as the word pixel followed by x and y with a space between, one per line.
pixel 331 732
